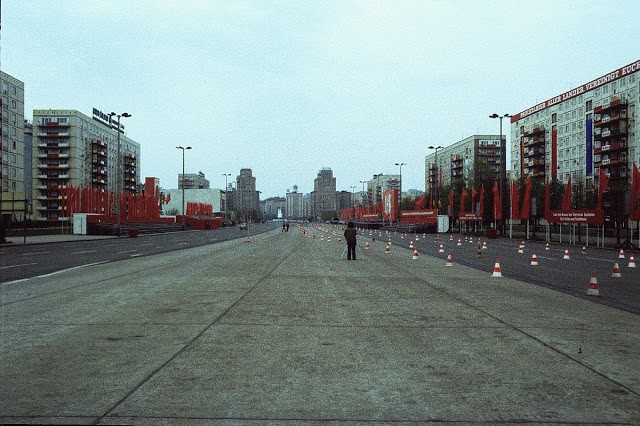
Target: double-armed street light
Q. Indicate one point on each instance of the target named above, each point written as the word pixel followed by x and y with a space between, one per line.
pixel 125 115
pixel 226 175
pixel 503 165
pixel 182 181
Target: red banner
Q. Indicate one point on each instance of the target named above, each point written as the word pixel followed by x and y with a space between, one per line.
pixel 419 216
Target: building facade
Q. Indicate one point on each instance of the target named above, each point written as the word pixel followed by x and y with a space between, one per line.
pixel 324 193
pixel 246 198
pixel 12 140
pixel 295 207
pixel 581 131
pixel 73 149
pixel 378 185
pixel 271 206
pixel 458 162
pixel 193 181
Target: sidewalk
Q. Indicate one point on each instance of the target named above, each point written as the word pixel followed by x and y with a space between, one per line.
pixel 56 238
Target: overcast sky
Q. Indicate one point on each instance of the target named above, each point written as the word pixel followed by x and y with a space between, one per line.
pixel 289 87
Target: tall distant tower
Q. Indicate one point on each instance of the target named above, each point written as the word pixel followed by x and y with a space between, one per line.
pixel 246 197
pixel 324 192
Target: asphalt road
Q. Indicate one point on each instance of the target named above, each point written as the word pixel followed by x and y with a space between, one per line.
pixel 25 261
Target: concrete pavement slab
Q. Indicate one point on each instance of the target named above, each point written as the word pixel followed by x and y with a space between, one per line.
pixel 283 330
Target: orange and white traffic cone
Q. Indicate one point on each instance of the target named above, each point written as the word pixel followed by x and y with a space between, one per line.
pixel 593 289
pixel 366 245
pixel 632 262
pixel 411 244
pixel 449 260
pixel 616 271
pixel 484 245
pixel 497 272
pixel 584 250
pixel 459 242
pixel 621 255
pixel 547 247
pixel 520 249
pixel 389 242
pixel 415 254
pixel 566 254
pixel 387 249
pixel 441 249
pixel 534 260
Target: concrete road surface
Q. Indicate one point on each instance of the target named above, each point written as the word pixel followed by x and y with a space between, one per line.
pixel 281 329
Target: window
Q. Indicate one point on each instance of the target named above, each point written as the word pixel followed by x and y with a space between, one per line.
pixel 589 105
pixel 5 87
pixel 554 117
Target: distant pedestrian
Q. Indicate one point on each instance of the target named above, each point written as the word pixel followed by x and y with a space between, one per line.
pixel 350 236
pixel 283 225
pixel 287 227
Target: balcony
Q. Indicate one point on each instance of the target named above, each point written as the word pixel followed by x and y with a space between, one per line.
pixel 53 124
pixel 53 145
pixel 50 198
pixel 53 166
pixel 53 134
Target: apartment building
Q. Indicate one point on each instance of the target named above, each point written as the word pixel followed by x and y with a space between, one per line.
pixel 578 132
pixel 460 160
pixel 12 141
pixel 73 149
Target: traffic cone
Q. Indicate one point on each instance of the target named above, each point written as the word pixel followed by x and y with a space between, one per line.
pixel 459 242
pixel 411 244
pixel 616 271
pixel 534 260
pixel 417 238
pixel 479 251
pixel 584 250
pixel 547 247
pixel 566 254
pixel 321 237
pixel 484 246
pixel 497 272
pixel 593 289
pixel 520 249
pixel 387 249
pixel 441 249
pixel 415 254
pixel 389 242
pixel 632 262
pixel 621 255
pixel 449 260
pixel 366 245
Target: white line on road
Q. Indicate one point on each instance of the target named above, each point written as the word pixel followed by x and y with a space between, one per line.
pixel 70 269
pixel 182 244
pixel 127 251
pixel 136 255
pixel 16 266
pixel 35 252
pixel 84 252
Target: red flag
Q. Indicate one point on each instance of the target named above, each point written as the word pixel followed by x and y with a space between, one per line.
pixel 497 203
pixel 481 200
pixel 604 182
pixel 474 194
pixel 635 194
pixel 463 195
pixel 547 200
pixel 515 201
pixel 566 201
pixel 526 203
pixel 421 203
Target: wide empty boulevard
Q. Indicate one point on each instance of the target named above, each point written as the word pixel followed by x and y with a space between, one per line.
pixel 282 328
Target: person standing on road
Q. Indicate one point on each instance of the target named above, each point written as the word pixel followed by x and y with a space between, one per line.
pixel 350 236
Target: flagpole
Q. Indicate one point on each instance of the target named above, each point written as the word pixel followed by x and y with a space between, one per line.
pixel 511 209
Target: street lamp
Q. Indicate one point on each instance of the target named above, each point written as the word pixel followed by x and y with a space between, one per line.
pixel 182 181
pixel 353 201
pixel 503 166
pixel 118 195
pixel 400 194
pixel 226 175
pixel 437 181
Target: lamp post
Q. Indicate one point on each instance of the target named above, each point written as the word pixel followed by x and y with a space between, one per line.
pixel 363 182
pixel 118 195
pixel 377 177
pixel 400 192
pixel 226 175
pixel 503 166
pixel 182 181
pixel 353 201
pixel 437 181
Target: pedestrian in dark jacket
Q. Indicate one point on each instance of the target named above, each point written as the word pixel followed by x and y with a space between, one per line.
pixel 350 236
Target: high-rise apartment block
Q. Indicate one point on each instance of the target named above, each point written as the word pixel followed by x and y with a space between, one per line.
pixel 459 161
pixel 193 181
pixel 324 197
pixel 578 132
pixel 72 149
pixel 246 198
pixel 12 141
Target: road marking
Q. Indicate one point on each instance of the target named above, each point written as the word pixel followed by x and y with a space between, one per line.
pixel 35 252
pixel 182 244
pixel 17 266
pixel 136 255
pixel 69 269
pixel 127 251
pixel 84 252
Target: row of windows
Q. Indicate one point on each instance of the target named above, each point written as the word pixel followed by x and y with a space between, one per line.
pixel 6 88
